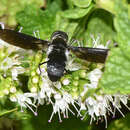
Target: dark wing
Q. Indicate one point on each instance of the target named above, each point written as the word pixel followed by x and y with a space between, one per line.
pixel 22 40
pixel 97 55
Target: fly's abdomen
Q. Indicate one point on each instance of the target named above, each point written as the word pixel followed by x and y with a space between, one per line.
pixel 55 70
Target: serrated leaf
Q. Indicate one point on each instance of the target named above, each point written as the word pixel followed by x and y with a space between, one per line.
pixel 82 3
pixel 122 25
pixel 76 12
pixel 33 19
pixel 100 24
pixel 116 77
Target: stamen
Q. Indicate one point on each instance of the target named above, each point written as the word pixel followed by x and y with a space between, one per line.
pixel 30 109
pixel 127 107
pixel 84 115
pixel 109 110
pixel 91 120
pixel 114 113
pixel 108 43
pixel 21 109
pixel 34 33
pixel 79 45
pixel 20 29
pixel 66 113
pixel 51 117
pixel 120 111
pixel 38 34
pixel 59 116
pixel 72 42
pixel 95 42
pixel 2 25
pixel 76 109
pixel 71 111
pixel 105 121
pixel 125 104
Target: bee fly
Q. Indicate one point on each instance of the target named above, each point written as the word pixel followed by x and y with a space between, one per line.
pixel 57 49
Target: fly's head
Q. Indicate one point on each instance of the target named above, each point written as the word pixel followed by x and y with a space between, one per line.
pixel 59 35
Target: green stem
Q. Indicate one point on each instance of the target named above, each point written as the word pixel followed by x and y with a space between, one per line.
pixel 7 112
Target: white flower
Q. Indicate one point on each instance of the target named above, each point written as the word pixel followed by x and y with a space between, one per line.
pixel 94 77
pixel 65 81
pixel 16 71
pixel 7 63
pixel 72 65
pixel 25 101
pixel 117 100
pixel 97 44
pixel 2 25
pixel 12 89
pixel 95 108
pixel 47 88
pixel 100 105
pixel 61 105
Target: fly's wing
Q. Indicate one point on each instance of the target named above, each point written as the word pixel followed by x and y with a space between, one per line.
pixel 22 40
pixel 97 55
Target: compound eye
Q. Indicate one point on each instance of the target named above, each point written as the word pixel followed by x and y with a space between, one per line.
pixel 59 34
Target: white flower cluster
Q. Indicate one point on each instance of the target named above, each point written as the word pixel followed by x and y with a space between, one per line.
pixel 60 105
pixel 96 106
pixel 99 105
pixel 11 62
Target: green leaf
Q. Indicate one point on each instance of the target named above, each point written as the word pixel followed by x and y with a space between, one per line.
pixel 8 9
pixel 65 25
pixel 122 25
pixel 27 125
pixel 106 4
pixel 100 24
pixel 120 124
pixel 82 3
pixel 77 13
pixel 116 77
pixel 32 19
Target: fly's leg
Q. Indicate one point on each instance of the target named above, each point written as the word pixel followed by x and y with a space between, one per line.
pixel 40 67
pixel 67 72
pixel 79 44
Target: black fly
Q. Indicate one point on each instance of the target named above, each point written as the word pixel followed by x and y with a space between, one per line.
pixel 57 55
pixel 56 50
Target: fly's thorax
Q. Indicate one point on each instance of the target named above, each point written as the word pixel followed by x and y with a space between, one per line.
pixel 59 42
pixel 58 45
pixel 57 50
pixel 50 48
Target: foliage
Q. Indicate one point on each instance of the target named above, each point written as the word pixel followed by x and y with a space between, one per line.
pixel 82 20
